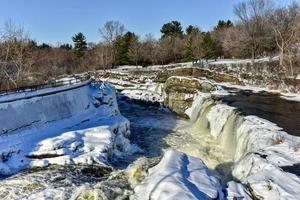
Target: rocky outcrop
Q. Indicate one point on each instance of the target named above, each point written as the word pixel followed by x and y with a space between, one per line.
pixel 196 72
pixel 268 74
pixel 180 91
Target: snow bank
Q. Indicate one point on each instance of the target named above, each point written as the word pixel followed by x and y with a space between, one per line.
pixel 77 126
pixel 291 97
pixel 265 157
pixel 242 61
pixel 179 176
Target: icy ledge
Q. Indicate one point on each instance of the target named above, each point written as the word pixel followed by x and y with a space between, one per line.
pixel 77 126
pixel 265 158
pixel 179 177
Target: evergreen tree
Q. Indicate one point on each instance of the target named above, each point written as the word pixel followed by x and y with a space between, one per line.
pixel 192 46
pixel 44 46
pixel 66 46
pixel 172 29
pixel 223 24
pixel 80 45
pixel 123 46
pixel 208 46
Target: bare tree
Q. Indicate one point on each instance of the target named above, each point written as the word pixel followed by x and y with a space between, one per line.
pixel 14 42
pixel 148 46
pixel 111 31
pixel 253 15
pixel 286 25
pixel 235 42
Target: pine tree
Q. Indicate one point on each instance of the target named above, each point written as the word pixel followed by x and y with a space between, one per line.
pixel 123 46
pixel 80 45
pixel 188 48
pixel 223 24
pixel 208 47
pixel 66 46
pixel 192 48
pixel 172 29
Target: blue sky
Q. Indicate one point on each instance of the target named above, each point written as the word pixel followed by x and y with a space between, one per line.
pixel 54 21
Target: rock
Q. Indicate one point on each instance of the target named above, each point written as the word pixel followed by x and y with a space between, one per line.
pixel 196 72
pixel 180 93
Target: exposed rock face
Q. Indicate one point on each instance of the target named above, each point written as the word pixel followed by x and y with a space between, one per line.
pixel 180 91
pixel 196 72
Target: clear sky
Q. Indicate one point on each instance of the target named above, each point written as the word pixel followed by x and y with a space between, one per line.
pixel 54 21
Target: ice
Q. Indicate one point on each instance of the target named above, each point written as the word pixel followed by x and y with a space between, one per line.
pixel 63 128
pixel 217 117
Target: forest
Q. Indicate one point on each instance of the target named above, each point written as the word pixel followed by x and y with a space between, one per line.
pixel 262 30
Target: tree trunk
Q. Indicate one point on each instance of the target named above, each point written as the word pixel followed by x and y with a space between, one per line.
pixel 291 66
pixel 281 57
pixel 253 56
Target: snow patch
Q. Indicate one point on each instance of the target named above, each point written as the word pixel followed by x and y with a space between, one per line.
pixel 179 176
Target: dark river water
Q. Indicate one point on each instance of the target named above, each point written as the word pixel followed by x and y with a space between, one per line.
pixel 284 113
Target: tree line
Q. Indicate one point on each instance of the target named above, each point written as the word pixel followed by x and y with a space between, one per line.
pixel 262 29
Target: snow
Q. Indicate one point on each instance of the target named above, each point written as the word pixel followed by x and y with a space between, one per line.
pixel 181 177
pixel 291 97
pixel 256 89
pixel 77 126
pixel 127 68
pixel 29 94
pixel 237 191
pixel 242 61
pixel 144 95
pixel 159 67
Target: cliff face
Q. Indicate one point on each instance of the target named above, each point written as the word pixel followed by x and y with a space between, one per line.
pixel 180 92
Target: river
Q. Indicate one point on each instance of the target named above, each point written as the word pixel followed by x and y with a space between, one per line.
pixel 154 129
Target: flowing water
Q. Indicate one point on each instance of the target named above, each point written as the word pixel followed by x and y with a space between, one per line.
pixel 154 129
pixel 284 113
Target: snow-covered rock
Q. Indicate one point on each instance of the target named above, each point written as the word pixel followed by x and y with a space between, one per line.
pixel 181 177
